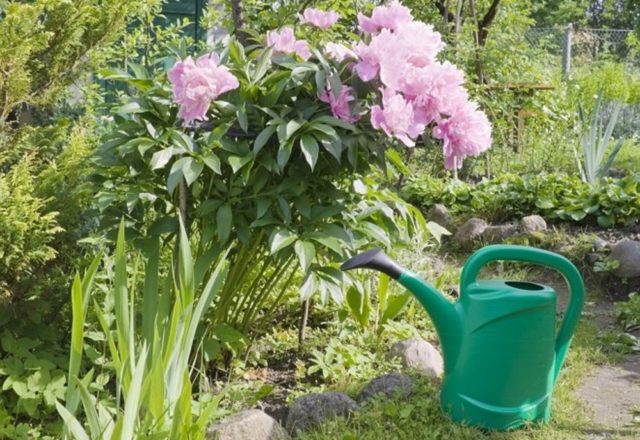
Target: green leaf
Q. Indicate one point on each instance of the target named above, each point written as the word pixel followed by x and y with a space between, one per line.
pixel 359 305
pixel 284 153
pixel 291 127
pixel 130 107
pixel 262 64
pixel 262 205
pixel 395 305
pixel 310 149
pixel 237 162
pixel 306 253
pixel 308 287
pixel 161 158
pixel 213 162
pixel 241 114
pixel 191 169
pixel 330 120
pixel 437 230
pixel 281 239
pixel 224 218
pixel 227 334
pixel 263 138
pixel 72 423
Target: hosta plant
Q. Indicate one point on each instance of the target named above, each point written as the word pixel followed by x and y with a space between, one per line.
pixel 281 150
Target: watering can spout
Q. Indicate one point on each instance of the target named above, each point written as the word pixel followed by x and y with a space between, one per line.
pixel 374 259
pixel 443 313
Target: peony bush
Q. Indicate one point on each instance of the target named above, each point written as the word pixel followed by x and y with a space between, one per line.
pixel 280 152
pixel 397 57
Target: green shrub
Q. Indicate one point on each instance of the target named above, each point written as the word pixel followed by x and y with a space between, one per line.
pixel 555 196
pixel 26 229
pixel 273 174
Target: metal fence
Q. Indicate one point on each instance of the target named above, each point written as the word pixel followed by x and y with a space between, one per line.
pixel 578 46
pixel 180 9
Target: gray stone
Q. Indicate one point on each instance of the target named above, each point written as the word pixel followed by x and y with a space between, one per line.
pixel 439 214
pixel 627 253
pixel 497 233
pixel 251 424
pixel 471 230
pixel 312 410
pixel 388 385
pixel 594 257
pixel 599 244
pixel 533 223
pixel 418 354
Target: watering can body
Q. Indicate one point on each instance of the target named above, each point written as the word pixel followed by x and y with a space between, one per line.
pixel 501 346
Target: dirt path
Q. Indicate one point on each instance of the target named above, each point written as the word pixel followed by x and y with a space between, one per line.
pixel 612 392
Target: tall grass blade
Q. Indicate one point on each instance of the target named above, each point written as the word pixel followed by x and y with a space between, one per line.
pixel 71 423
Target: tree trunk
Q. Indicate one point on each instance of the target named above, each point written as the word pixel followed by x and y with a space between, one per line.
pixel 238 20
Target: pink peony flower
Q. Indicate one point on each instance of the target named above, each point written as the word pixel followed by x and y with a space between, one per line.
pixel 433 90
pixel 340 106
pixel 339 52
pixel 196 84
pixel 396 118
pixel 285 42
pixel 372 56
pixel 467 132
pixel 391 17
pixel 318 18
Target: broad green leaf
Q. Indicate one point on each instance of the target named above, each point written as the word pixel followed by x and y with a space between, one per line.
pixel 395 304
pixel 191 169
pixel 237 162
pixel 213 162
pixel 310 149
pixel 281 239
pixel 308 287
pixel 263 138
pixel 306 253
pixel 360 305
pixel 161 158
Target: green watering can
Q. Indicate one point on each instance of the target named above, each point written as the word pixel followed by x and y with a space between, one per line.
pixel 502 354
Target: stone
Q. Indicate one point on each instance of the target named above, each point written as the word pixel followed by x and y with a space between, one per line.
pixel 533 223
pixel 471 230
pixel 599 244
pixel 497 233
pixel 312 410
pixel 420 355
pixel 388 385
pixel 440 215
pixel 251 424
pixel 594 257
pixel 627 254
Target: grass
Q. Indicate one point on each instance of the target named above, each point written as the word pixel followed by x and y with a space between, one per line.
pixel 420 417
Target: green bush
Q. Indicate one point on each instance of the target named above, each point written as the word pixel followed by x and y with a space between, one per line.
pixel 555 196
pixel 26 229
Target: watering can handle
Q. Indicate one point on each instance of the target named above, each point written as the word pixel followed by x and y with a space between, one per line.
pixel 544 258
